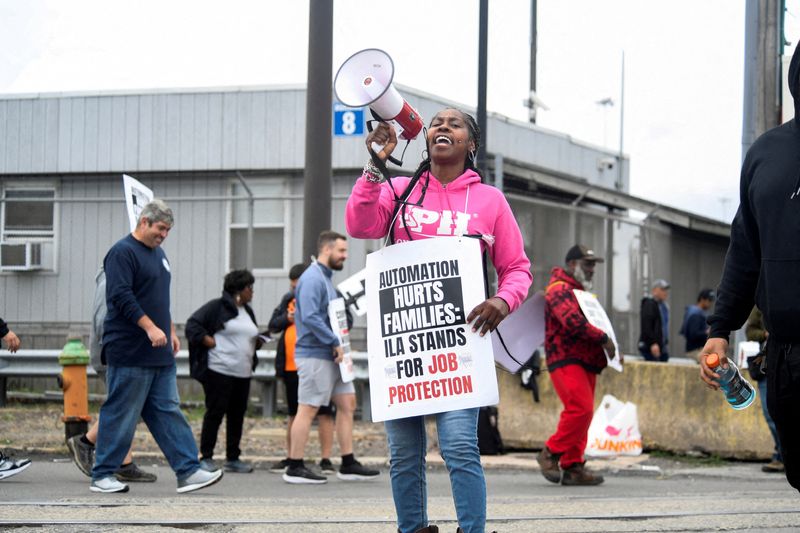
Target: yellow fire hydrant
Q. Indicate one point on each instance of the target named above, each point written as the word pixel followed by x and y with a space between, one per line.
pixel 74 358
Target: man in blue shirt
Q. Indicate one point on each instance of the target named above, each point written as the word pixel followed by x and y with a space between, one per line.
pixel 317 354
pixel 694 326
pixel 141 358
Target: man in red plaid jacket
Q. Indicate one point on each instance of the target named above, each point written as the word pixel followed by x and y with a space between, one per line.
pixel 574 359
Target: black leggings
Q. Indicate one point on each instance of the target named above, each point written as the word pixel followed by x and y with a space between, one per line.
pixel 225 396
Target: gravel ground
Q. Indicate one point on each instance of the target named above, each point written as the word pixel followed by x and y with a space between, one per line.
pixel 36 428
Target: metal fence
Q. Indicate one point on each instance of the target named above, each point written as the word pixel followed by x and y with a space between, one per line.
pixel 44 363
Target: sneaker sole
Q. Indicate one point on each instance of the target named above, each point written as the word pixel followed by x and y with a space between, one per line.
pixel 277 470
pixel 8 473
pixel 76 458
pixel 124 488
pixel 355 477
pixel 296 480
pixel 198 486
pixel 124 479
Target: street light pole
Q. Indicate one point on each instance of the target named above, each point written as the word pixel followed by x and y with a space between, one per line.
pixel 619 184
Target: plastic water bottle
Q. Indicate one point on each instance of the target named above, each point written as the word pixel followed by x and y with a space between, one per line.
pixel 738 391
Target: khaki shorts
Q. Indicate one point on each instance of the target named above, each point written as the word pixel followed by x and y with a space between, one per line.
pixel 319 380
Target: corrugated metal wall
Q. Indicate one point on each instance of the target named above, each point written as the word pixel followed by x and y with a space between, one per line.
pixel 197 248
pixel 224 130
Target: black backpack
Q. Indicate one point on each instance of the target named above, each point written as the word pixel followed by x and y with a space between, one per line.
pixel 489 440
pixel 528 374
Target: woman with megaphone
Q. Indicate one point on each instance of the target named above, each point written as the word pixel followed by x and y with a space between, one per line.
pixel 444 197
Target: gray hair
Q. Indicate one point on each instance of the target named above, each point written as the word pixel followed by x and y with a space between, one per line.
pixel 157 211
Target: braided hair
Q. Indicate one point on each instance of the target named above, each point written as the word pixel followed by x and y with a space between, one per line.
pixel 425 166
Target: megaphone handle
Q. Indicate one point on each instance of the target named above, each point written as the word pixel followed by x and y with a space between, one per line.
pixel 377 148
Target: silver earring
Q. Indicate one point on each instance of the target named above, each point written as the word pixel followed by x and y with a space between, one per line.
pixel 472 156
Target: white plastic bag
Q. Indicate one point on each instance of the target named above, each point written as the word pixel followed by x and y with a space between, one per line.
pixel 614 429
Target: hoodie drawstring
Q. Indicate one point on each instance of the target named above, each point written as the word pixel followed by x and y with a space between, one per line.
pixel 796 188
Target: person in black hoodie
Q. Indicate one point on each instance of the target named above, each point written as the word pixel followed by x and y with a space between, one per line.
pixel 223 339
pixel 762 266
pixel 654 324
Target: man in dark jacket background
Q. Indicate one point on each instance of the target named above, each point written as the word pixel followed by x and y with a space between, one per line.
pixel 694 326
pixel 574 359
pixel 654 320
pixel 283 321
pixel 762 266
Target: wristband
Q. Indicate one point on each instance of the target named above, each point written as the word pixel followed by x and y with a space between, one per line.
pixel 373 173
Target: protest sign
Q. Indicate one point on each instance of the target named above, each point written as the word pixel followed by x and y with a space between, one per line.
pixel 338 318
pixel 423 356
pixel 520 334
pixel 136 197
pixel 354 292
pixel 596 316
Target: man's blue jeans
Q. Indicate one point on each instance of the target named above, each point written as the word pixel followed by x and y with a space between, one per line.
pixel 152 393
pixel 458 443
pixel 762 391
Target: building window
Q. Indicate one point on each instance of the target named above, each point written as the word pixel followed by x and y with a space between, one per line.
pixel 28 229
pixel 269 225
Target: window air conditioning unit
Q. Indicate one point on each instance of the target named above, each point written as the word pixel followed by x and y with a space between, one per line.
pixel 22 256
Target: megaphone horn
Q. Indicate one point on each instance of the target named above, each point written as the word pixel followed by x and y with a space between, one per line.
pixel 365 79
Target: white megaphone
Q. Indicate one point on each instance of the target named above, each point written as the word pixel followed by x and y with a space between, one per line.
pixel 366 79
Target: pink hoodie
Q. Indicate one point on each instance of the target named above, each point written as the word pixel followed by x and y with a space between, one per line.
pixel 463 207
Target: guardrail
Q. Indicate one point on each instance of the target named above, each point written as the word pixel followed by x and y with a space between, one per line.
pixel 44 363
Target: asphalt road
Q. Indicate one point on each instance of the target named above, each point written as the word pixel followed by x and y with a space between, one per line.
pixel 53 496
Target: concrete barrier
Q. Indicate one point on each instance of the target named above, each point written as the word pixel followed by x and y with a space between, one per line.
pixel 676 411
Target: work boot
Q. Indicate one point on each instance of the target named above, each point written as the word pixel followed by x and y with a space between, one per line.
pixel 578 474
pixel 548 462
pixel 429 529
pixel 773 467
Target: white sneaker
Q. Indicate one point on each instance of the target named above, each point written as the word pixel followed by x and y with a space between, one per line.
pixel 108 484
pixel 201 478
pixel 9 467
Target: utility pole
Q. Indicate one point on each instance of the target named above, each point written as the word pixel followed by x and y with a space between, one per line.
pixel 483 33
pixel 534 8
pixel 763 43
pixel 317 175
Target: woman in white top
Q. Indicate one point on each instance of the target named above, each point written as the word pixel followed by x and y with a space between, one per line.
pixel 223 338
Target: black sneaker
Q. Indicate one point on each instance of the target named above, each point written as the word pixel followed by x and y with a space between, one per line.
pixel 326 466
pixel 279 467
pixel 356 472
pixel 132 473
pixel 82 454
pixel 300 475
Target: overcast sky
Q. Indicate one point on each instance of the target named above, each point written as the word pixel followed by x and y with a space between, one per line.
pixel 683 64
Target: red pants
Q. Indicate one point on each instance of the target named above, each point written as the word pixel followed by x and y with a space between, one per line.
pixel 575 387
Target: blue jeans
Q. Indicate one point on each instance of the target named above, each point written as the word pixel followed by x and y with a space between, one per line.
pixel 152 393
pixel 762 391
pixel 458 442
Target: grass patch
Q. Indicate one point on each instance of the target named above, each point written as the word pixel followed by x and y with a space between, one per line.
pixel 194 414
pixel 696 459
